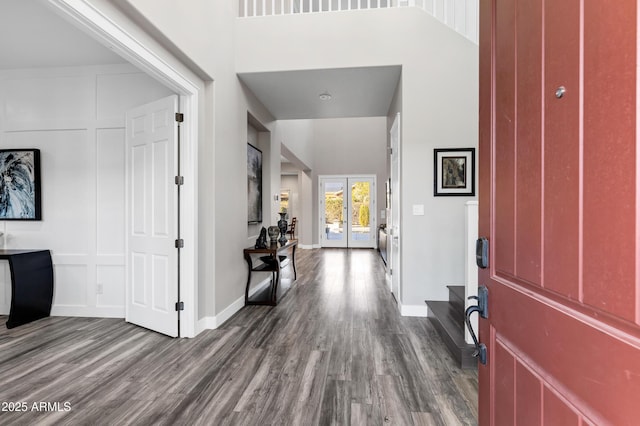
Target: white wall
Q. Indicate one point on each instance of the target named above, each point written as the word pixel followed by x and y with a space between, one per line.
pixel 439 98
pixel 75 116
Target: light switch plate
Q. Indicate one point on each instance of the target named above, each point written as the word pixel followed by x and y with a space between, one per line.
pixel 418 209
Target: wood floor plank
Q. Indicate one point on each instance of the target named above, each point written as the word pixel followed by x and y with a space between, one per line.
pixel 335 350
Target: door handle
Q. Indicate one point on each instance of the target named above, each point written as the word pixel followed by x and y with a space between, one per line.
pixel 481 308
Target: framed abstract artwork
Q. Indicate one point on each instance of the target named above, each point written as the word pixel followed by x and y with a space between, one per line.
pixel 454 172
pixel 20 197
pixel 254 184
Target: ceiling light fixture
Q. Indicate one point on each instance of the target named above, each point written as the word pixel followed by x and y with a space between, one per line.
pixel 324 96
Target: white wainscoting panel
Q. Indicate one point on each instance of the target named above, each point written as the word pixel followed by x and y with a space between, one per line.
pixel 48 102
pixel 111 279
pixel 110 188
pixel 70 285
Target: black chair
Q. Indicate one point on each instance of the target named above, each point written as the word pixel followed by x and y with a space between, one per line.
pixel 292 229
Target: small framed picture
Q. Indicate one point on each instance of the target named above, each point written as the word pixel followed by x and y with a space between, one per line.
pixel 454 172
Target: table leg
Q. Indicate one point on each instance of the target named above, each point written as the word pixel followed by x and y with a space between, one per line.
pixel 247 257
pixel 293 261
pixel 274 289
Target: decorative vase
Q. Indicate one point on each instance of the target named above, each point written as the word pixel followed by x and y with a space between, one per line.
pixel 273 234
pixel 282 225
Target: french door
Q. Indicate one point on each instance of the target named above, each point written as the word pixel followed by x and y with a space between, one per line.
pixel 560 206
pixel 348 211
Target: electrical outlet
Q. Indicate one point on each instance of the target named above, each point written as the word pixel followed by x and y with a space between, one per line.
pixel 99 289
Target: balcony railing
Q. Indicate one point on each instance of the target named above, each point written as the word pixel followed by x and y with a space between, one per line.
pixel 460 15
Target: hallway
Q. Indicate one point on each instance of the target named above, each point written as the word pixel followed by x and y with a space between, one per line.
pixel 334 351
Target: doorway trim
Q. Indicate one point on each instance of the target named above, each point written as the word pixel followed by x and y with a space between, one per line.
pixel 394 272
pixel 102 28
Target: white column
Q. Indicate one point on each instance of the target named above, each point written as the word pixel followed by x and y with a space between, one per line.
pixel 471 270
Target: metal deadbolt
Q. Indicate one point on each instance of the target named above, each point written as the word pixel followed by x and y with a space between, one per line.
pixel 560 92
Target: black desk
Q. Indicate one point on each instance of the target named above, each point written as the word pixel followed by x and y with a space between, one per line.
pixel 31 285
pixel 271 294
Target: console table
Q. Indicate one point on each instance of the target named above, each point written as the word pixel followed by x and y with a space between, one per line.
pixel 273 258
pixel 31 285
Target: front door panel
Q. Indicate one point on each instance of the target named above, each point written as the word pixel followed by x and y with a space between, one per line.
pixel 559 202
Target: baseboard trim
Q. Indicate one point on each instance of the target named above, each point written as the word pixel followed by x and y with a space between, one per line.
pixel 211 323
pixel 308 246
pixel 413 310
pixel 86 311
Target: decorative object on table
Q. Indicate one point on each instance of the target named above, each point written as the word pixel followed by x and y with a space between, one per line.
pixel 282 225
pixel 254 184
pixel 20 184
pixel 261 242
pixel 454 172
pixel 274 231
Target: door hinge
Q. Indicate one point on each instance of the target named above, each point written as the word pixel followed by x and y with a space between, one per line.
pixel 180 243
pixel 390 150
pixel 179 306
pixel 390 271
pixel 179 117
pixel 179 180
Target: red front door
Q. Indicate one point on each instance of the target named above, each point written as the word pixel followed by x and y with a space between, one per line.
pixel 560 205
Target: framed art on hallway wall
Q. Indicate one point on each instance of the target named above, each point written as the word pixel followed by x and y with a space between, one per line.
pixel 454 172
pixel 254 184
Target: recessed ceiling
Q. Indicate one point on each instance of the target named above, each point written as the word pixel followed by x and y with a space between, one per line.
pixel 355 92
pixel 32 35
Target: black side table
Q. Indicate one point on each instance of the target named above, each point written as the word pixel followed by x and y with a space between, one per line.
pixel 31 285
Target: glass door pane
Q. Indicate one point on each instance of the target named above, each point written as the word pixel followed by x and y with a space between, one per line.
pixel 361 213
pixel 334 211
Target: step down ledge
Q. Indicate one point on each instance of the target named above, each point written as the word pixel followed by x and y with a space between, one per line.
pixel 451 334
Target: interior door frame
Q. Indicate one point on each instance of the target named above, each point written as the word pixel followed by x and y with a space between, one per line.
pixel 394 233
pixel 373 219
pixel 188 87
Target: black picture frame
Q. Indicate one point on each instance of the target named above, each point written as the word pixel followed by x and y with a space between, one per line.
pixel 454 172
pixel 254 184
pixel 20 192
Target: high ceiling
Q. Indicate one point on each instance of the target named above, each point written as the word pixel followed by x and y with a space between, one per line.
pixel 32 35
pixel 355 92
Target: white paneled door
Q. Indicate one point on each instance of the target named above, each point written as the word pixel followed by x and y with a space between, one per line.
pixel 152 231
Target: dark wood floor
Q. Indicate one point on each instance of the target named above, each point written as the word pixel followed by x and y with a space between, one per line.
pixel 334 351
